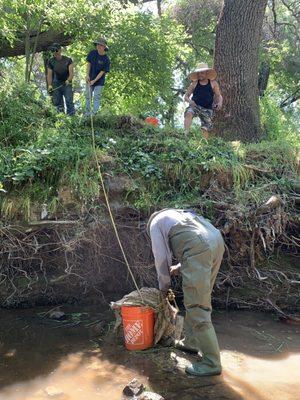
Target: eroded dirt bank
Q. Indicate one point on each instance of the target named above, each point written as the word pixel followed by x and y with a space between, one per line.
pixel 80 262
pixel 75 359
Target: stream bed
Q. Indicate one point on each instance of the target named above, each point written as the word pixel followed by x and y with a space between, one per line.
pixel 78 358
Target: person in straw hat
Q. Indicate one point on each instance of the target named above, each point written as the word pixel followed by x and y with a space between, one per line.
pixel 206 96
pixel 98 65
pixel 198 247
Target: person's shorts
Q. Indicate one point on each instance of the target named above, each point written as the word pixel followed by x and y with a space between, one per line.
pixel 204 114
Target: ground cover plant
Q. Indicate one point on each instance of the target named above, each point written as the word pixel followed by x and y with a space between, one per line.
pixel 43 152
pixel 48 171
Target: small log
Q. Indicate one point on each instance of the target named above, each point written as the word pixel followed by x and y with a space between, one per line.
pixel 296 200
pixel 52 222
pixel 27 227
pixel 256 169
pixel 273 202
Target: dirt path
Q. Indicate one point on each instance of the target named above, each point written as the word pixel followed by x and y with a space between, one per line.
pixel 43 359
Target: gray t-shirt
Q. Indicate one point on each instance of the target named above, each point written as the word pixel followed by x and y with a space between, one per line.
pixel 60 68
pixel 159 233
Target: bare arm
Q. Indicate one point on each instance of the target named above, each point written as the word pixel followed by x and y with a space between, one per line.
pixel 49 76
pixel 101 73
pixel 189 91
pixel 218 99
pixel 71 72
pixel 88 68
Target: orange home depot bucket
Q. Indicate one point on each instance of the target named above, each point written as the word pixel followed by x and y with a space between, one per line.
pixel 138 326
pixel 152 121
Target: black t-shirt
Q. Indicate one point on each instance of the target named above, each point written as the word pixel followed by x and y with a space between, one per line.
pixel 98 63
pixel 203 95
pixel 60 68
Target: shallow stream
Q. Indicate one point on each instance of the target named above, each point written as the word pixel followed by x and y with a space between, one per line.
pixel 42 359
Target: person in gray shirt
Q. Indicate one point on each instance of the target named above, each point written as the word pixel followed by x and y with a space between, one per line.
pixel 60 73
pixel 199 248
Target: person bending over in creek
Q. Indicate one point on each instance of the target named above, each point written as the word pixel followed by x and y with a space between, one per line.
pixel 199 248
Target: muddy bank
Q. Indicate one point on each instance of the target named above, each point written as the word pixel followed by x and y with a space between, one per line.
pixel 43 359
pixel 74 258
pixel 73 263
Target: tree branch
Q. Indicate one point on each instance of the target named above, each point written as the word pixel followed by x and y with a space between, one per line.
pixel 43 42
pixel 290 99
pixel 291 9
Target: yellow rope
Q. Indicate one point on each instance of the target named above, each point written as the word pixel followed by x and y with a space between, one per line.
pixel 106 198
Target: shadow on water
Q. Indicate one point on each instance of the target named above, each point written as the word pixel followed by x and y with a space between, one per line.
pixel 42 359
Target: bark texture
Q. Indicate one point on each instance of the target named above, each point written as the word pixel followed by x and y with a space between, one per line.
pixel 42 41
pixel 236 61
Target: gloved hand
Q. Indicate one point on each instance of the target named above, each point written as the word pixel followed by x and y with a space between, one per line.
pixel 50 89
pixel 164 292
pixel 170 295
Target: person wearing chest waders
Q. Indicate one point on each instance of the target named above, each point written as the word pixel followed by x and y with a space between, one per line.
pixel 60 74
pixel 198 247
pixel 206 97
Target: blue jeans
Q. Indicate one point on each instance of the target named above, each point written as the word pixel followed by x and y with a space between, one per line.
pixel 62 91
pixel 92 93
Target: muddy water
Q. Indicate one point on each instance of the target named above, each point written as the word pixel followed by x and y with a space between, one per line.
pixel 43 359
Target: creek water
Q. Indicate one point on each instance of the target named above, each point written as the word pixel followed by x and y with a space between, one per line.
pixel 77 359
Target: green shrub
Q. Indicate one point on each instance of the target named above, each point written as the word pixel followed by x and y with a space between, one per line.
pixel 23 114
pixel 276 122
pixel 43 151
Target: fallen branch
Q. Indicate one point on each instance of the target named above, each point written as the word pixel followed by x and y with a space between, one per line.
pixel 255 168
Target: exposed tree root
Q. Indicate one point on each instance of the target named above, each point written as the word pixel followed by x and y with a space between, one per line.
pixel 41 264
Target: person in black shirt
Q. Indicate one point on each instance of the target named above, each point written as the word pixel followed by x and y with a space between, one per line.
pixel 60 74
pixel 206 97
pixel 98 64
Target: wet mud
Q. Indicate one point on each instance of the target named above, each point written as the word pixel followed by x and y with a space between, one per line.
pixel 78 358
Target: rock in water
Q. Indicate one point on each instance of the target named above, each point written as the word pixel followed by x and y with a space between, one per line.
pixel 133 388
pixel 53 392
pixel 59 315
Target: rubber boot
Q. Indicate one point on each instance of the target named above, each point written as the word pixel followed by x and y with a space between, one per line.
pixel 211 363
pixel 180 345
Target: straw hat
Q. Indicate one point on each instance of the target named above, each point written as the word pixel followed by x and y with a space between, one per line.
pixel 102 41
pixel 211 73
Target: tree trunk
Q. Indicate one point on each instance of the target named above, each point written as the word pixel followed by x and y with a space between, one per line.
pixel 46 56
pixel 27 54
pixel 236 62
pixel 42 41
pixel 159 11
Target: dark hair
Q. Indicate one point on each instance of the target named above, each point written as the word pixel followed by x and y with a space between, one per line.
pixel 55 47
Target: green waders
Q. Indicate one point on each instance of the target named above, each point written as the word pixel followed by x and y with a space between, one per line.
pixel 199 246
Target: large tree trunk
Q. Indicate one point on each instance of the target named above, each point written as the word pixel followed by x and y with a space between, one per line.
pixel 236 61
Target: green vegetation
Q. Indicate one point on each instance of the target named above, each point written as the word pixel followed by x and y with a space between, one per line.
pixel 43 153
pixel 48 166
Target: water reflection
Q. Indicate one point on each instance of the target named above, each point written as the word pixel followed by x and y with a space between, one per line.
pixel 261 360
pixel 78 377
